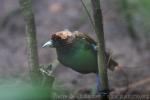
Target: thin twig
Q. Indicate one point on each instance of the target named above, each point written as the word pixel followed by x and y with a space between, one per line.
pixel 89 16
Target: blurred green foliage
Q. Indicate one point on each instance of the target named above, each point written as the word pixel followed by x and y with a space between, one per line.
pixel 24 93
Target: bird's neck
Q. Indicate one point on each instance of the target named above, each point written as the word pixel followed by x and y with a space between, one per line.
pixel 72 48
pixel 65 49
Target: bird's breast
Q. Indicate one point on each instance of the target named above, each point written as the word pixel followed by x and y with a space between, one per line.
pixel 81 59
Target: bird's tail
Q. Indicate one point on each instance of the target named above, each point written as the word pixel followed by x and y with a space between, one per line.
pixel 112 64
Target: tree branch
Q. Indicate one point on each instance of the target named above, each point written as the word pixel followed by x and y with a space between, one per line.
pixel 102 68
pixel 33 62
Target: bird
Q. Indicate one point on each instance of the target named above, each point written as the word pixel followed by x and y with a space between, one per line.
pixel 78 51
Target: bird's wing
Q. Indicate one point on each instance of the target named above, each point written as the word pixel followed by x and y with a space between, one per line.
pixel 111 63
pixel 85 36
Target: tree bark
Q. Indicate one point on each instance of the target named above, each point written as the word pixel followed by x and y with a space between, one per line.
pixel 102 68
pixel 33 62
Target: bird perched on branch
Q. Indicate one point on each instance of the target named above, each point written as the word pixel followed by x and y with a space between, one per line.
pixel 78 51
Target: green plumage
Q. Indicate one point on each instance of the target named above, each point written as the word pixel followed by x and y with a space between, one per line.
pixel 79 56
pixel 77 51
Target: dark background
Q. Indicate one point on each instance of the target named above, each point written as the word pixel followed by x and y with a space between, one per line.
pixel 56 15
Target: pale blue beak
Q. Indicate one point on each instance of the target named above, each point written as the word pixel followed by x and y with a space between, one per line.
pixel 48 44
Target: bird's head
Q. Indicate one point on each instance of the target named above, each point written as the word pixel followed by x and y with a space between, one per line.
pixel 60 39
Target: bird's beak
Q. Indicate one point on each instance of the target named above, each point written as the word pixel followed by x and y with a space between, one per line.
pixel 48 44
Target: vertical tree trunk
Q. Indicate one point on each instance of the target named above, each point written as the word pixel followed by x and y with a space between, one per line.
pixel 33 62
pixel 98 20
